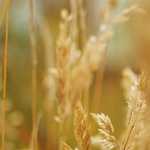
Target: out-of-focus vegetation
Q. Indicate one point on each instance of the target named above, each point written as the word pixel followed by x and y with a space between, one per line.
pixel 47 59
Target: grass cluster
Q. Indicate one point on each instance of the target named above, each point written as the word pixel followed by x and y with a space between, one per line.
pixel 66 106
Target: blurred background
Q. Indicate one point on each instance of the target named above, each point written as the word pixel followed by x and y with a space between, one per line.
pixel 129 47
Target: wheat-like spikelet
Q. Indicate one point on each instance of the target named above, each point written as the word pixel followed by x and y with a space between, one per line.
pixel 143 141
pixel 78 23
pixel 74 77
pixel 135 112
pixel 91 59
pixel 62 60
pixel 81 128
pixel 61 74
pixel 94 55
pixel 106 139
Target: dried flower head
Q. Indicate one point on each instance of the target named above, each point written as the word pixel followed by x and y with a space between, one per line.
pixel 62 61
pixel 106 139
pixel 135 112
pixel 81 128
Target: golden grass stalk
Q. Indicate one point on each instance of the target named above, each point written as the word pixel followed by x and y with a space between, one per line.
pixel 92 57
pixel 105 35
pixel 62 60
pixel 32 25
pixel 143 141
pixel 135 112
pixel 49 83
pixel 82 23
pixel 62 72
pixel 33 145
pixel 78 23
pixel 81 128
pixel 46 37
pixel 134 132
pixel 74 23
pixel 5 79
pixel 80 74
pixel 106 130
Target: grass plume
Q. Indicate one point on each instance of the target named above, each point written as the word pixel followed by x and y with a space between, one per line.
pixel 81 128
pixel 72 67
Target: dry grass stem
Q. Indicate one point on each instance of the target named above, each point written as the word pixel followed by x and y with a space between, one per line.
pixel 5 79
pixel 136 108
pixel 62 61
pixel 81 128
pixel 82 23
pixel 72 68
pixel 106 130
pixel 74 22
pixel 32 32
pixel 34 138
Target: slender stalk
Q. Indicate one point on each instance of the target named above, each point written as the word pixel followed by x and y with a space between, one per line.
pixel 82 23
pixel 130 130
pixel 125 144
pixel 35 133
pixel 5 76
pixel 32 25
pixel 49 62
pixel 74 12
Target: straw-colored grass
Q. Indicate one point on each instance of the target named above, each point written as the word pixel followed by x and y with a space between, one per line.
pixel 5 83
pixel 77 57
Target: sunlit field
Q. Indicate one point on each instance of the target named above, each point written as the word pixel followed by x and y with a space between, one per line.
pixel 74 74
